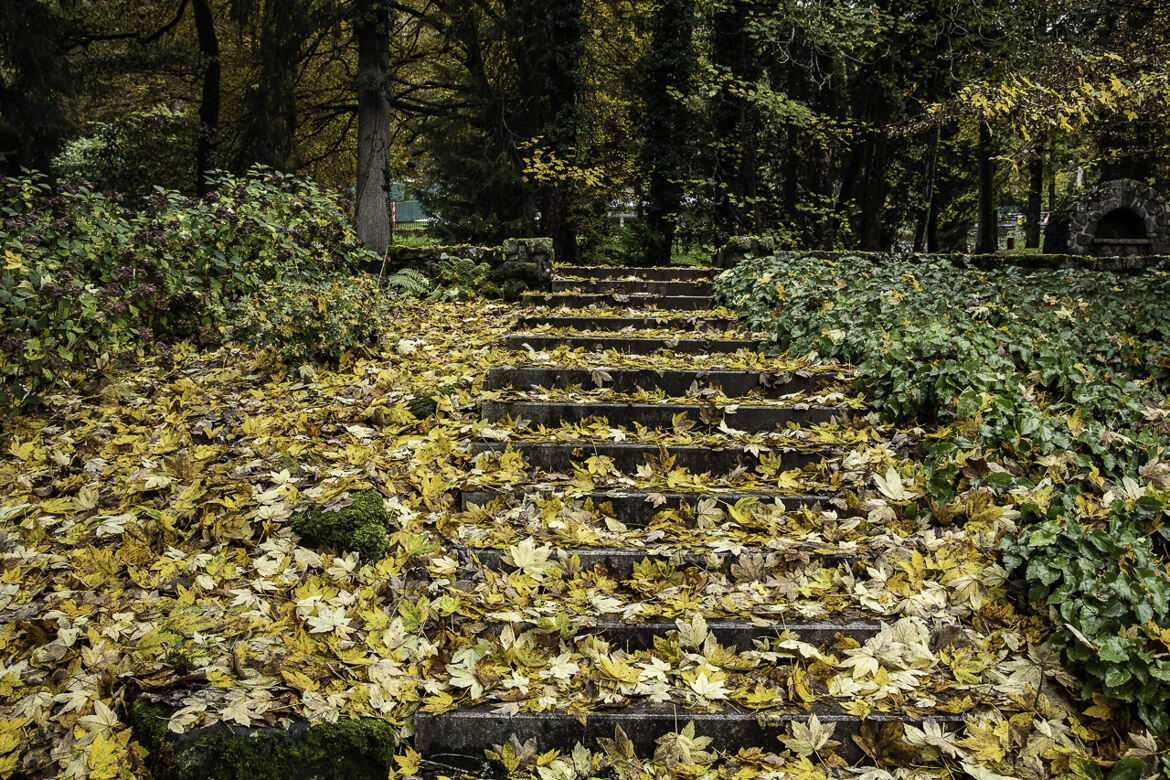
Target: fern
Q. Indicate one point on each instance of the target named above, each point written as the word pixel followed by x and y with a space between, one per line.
pixel 409 281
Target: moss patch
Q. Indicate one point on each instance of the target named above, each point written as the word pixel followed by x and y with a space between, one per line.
pixel 348 748
pixel 359 527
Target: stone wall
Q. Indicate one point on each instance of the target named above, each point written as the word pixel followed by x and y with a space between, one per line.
pixel 518 265
pixel 741 248
pixel 1072 229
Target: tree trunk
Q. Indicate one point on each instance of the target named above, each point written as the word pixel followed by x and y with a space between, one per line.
pixel 873 199
pixel 987 237
pixel 371 27
pixel 667 141
pixel 1051 174
pixel 1035 197
pixel 923 229
pixel 205 150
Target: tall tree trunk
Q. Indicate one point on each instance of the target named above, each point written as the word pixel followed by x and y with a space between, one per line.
pixel 1035 198
pixel 208 143
pixel 550 49
pixel 733 122
pixel 873 199
pixel 1052 174
pixel 923 228
pixel 371 26
pixel 666 148
pixel 987 237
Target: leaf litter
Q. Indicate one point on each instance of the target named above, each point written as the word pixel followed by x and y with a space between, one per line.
pixel 147 550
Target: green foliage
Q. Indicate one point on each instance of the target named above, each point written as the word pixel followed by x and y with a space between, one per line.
pixel 133 154
pixel 314 322
pixel 932 339
pixel 460 277
pixel 86 284
pixel 359 527
pixel 1049 388
pixel 692 254
pixel 409 281
pixel 1111 591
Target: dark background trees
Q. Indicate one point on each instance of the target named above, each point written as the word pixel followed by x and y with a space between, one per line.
pixel 827 124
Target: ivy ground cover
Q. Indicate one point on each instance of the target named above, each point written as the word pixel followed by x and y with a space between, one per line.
pixel 1042 393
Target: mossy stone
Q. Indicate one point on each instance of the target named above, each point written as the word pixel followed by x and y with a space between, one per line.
pixel 359 527
pixel 347 748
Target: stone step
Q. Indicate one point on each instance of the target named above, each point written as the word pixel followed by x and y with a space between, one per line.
pixel 631 345
pixel 662 416
pixel 466 732
pixel 627 286
pixel 675 382
pixel 627 456
pixel 620 563
pixel 638 509
pixel 657 273
pixel 739 634
pixel 718 324
pixel 582 300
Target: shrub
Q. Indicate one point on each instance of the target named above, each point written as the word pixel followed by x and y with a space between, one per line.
pixel 133 154
pixel 460 277
pixel 86 282
pixel 313 322
pixel 359 527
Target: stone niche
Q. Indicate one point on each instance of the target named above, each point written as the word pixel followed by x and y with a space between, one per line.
pixel 1116 218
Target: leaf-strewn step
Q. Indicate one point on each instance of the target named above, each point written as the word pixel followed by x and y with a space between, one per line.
pixel 675 382
pixel 620 563
pixel 631 286
pixel 583 300
pixel 682 324
pixel 752 419
pixel 468 731
pixel 631 345
pixel 739 634
pixel 658 273
pixel 637 509
pixel 627 456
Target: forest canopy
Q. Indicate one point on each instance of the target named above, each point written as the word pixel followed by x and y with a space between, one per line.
pixel 824 124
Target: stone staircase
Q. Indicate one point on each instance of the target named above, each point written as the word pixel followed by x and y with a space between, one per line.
pixel 626 311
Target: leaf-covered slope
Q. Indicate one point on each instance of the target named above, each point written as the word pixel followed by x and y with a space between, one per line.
pixel 148 550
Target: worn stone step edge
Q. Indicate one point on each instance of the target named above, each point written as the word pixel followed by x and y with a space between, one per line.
pixel 684 324
pixel 654 273
pixel 635 509
pixel 672 381
pixel 662 302
pixel 631 345
pixel 620 562
pixel 467 731
pixel 558 456
pixel 739 634
pixel 662 415
pixel 625 286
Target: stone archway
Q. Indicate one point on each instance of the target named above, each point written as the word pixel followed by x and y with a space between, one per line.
pixel 1119 217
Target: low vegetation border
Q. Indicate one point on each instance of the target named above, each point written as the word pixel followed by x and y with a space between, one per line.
pixel 1045 394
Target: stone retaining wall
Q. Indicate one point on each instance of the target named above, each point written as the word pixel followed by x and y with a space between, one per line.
pixel 518 265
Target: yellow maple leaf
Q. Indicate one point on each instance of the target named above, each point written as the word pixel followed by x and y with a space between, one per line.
pixel 618 669
pixel 104 757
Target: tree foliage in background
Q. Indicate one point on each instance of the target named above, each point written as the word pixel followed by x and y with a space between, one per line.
pixel 827 124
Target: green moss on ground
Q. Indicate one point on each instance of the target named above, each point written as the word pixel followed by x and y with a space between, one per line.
pixel 347 748
pixel 359 527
